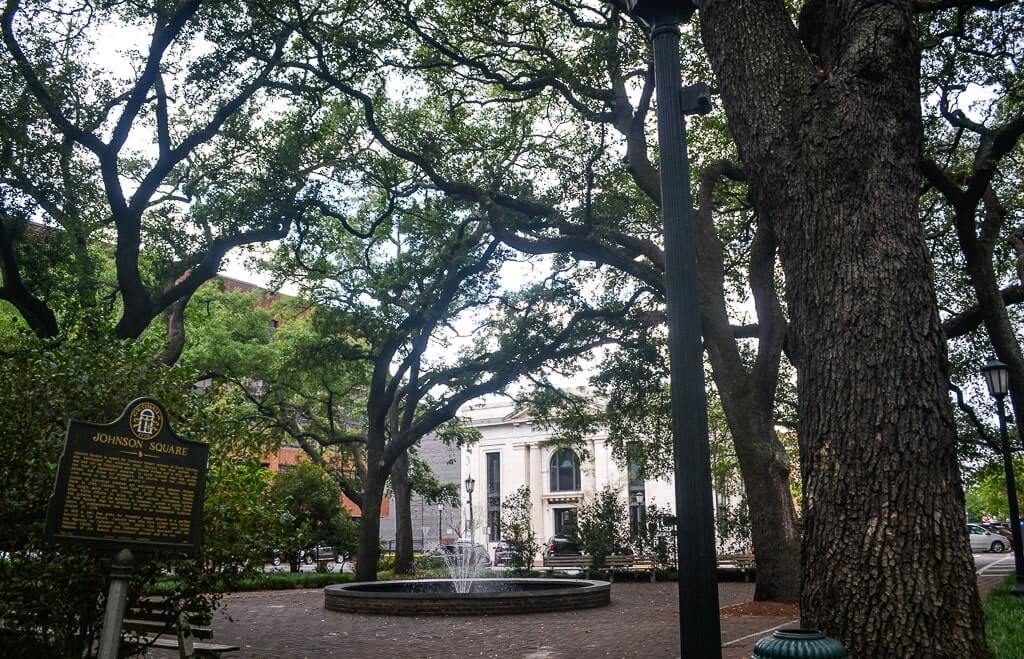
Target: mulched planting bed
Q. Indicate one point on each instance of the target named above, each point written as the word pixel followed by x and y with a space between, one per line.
pixel 772 609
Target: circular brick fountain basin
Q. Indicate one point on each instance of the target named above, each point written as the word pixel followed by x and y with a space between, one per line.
pixel 486 596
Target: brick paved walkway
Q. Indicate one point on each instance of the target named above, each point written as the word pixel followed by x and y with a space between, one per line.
pixel 640 622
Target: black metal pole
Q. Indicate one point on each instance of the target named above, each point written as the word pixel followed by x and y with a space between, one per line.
pixel 438 527
pixel 699 630
pixel 1011 496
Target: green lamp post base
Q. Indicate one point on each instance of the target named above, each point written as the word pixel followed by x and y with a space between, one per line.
pixel 802 643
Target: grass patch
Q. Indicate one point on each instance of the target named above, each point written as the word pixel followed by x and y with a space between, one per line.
pixel 1004 623
pixel 268 581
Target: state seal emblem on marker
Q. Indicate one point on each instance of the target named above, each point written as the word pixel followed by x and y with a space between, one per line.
pixel 146 420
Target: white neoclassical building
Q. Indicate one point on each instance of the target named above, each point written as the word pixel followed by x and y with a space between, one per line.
pixel 512 453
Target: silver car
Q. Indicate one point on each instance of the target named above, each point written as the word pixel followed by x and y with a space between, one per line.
pixel 983 540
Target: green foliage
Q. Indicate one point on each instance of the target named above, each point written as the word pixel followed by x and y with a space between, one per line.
pixel 732 515
pixel 1004 623
pixel 517 529
pixel 986 490
pixel 655 537
pixel 602 526
pixel 55 594
pixel 386 562
pixel 430 565
pixel 313 502
pixel 214 162
pixel 639 414
pixel 244 516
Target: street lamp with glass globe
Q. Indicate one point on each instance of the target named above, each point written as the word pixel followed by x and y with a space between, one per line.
pixel 997 378
pixel 699 629
pixel 469 492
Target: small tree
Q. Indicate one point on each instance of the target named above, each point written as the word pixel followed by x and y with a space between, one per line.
pixel 518 531
pixel 313 500
pixel 601 528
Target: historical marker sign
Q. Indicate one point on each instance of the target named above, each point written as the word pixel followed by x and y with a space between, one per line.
pixel 130 484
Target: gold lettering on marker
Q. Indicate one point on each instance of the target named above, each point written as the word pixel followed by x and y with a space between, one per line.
pixel 117 440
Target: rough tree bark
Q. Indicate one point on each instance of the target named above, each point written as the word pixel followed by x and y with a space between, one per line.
pixel 403 515
pixel 830 141
pixel 368 551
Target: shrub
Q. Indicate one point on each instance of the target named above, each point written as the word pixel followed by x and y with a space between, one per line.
pixel 601 527
pixel 518 531
pixel 430 565
pixel 52 597
pixel 386 562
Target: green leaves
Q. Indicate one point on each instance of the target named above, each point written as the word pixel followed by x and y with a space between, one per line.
pixel 43 384
pixel 313 502
pixel 517 529
pixel 601 526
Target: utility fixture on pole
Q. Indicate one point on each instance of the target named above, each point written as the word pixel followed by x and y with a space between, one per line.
pixel 699 629
pixel 997 377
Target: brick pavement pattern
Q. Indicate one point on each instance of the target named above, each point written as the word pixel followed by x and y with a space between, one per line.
pixel 642 621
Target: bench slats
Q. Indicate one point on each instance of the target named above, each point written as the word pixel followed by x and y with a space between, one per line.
pixel 616 560
pixel 172 644
pixel 160 627
pixel 155 624
pixel 738 561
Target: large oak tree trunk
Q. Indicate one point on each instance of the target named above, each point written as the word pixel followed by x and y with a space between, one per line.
pixel 368 551
pixel 748 394
pixel 830 147
pixel 764 466
pixel 403 515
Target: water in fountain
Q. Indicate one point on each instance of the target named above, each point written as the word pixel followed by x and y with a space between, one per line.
pixel 465 564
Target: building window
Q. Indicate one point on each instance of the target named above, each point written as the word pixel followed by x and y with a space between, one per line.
pixel 635 469
pixel 493 497
pixel 565 522
pixel 565 471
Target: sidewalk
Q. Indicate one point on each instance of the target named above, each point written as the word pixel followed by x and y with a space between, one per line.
pixel 642 621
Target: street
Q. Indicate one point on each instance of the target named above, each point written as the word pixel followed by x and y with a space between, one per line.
pixel 988 564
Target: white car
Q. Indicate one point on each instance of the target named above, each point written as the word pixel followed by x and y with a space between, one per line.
pixel 982 540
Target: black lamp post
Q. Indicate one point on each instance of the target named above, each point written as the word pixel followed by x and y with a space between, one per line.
pixel 699 630
pixel 440 509
pixel 997 377
pixel 469 491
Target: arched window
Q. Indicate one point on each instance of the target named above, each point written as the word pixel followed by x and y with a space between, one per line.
pixel 565 471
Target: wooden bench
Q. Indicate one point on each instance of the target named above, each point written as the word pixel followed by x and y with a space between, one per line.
pixel 741 563
pixel 154 623
pixel 622 561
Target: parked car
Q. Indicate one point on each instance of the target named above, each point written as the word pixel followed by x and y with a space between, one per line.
pixel 463 551
pixel 1002 528
pixel 502 553
pixel 561 547
pixel 321 552
pixel 984 540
